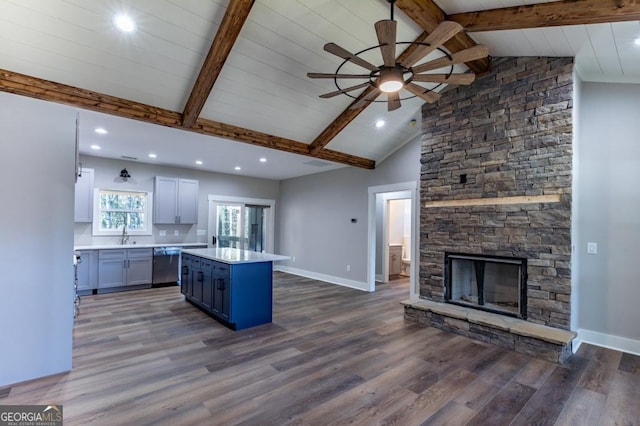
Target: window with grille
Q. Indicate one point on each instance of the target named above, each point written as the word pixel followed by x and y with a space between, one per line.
pixel 118 209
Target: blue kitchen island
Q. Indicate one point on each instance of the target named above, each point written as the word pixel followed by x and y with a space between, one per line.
pixel 233 286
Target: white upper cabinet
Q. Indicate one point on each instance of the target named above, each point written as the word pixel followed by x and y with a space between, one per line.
pixel 175 201
pixel 84 196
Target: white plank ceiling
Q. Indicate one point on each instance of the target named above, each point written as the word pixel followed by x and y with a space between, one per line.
pixel 263 85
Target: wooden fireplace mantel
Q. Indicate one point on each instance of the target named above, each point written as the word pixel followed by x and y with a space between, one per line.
pixel 526 199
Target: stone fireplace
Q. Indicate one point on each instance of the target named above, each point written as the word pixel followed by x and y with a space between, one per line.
pixel 496 181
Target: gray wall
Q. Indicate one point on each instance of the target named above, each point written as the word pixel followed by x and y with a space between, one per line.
pixel 37 164
pixel 106 176
pixel 608 203
pixel 315 215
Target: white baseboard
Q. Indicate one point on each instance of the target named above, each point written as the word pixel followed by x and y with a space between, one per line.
pixel 379 278
pixel 610 341
pixel 358 285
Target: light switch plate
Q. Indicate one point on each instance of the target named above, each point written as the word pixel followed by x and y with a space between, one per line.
pixel 592 248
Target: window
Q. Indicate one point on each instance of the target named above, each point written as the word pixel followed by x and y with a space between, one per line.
pixel 115 209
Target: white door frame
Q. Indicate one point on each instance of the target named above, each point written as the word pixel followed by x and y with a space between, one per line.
pixel 386 197
pixel 271 215
pixel 371 233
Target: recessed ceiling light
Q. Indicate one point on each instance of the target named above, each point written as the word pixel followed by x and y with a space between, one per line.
pixel 96 147
pixel 379 124
pixel 238 168
pixel 100 130
pixel 263 160
pixel 124 23
pixel 152 155
pixel 637 41
pixel 199 163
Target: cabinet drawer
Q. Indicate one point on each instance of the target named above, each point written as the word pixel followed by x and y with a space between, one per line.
pixel 111 254
pixel 195 262
pixel 206 265
pixel 141 253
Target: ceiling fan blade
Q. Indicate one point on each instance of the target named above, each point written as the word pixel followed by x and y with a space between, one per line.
pixel 466 55
pixel 386 32
pixel 346 89
pixel 324 75
pixel 466 78
pixel 423 93
pixel 366 99
pixel 345 54
pixel 393 101
pixel 443 32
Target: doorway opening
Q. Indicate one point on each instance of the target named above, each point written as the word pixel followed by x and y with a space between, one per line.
pixel 392 237
pixel 242 223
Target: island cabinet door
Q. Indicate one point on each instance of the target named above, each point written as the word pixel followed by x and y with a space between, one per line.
pixel 221 290
pixel 206 269
pixel 185 275
pixel 196 280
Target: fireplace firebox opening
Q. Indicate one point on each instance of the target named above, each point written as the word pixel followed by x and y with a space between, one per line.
pixel 490 283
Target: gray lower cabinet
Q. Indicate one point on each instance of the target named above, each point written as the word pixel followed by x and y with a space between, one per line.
pixel 87 271
pixel 125 267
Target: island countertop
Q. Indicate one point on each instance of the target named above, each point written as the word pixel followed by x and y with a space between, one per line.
pixel 234 256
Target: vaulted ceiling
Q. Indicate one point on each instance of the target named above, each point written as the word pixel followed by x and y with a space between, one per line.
pixel 227 80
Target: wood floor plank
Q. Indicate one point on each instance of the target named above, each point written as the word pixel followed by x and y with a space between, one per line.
pixel 452 414
pixel 478 394
pixel 505 406
pixel 622 407
pixel 585 407
pixel 432 399
pixel 356 402
pixel 535 373
pixel 630 363
pixel 545 406
pixel 332 355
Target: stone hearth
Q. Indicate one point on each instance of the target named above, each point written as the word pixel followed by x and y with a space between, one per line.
pixel 551 344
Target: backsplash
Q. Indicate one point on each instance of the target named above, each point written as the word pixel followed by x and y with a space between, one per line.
pixel 187 234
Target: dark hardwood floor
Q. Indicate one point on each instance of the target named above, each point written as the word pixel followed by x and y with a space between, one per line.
pixel 331 356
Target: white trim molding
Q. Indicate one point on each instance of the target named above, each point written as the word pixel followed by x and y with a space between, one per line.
pixel 610 341
pixel 358 285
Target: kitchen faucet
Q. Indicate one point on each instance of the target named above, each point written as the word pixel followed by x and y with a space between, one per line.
pixel 125 236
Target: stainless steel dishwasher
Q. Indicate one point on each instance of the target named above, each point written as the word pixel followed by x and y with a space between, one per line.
pixel 166 265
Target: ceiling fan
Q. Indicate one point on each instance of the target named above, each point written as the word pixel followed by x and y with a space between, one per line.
pixel 402 73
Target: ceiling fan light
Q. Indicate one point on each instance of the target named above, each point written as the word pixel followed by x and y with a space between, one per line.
pixel 391 80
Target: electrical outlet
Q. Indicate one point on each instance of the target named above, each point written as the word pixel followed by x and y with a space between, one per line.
pixel 293 258
pixel 592 248
pixel 348 268
pixel 163 233
pixel 176 232
pixel 201 232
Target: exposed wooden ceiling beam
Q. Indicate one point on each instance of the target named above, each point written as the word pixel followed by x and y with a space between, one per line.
pixel 428 15
pixel 232 22
pixel 567 12
pixel 337 125
pixel 349 114
pixel 33 87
